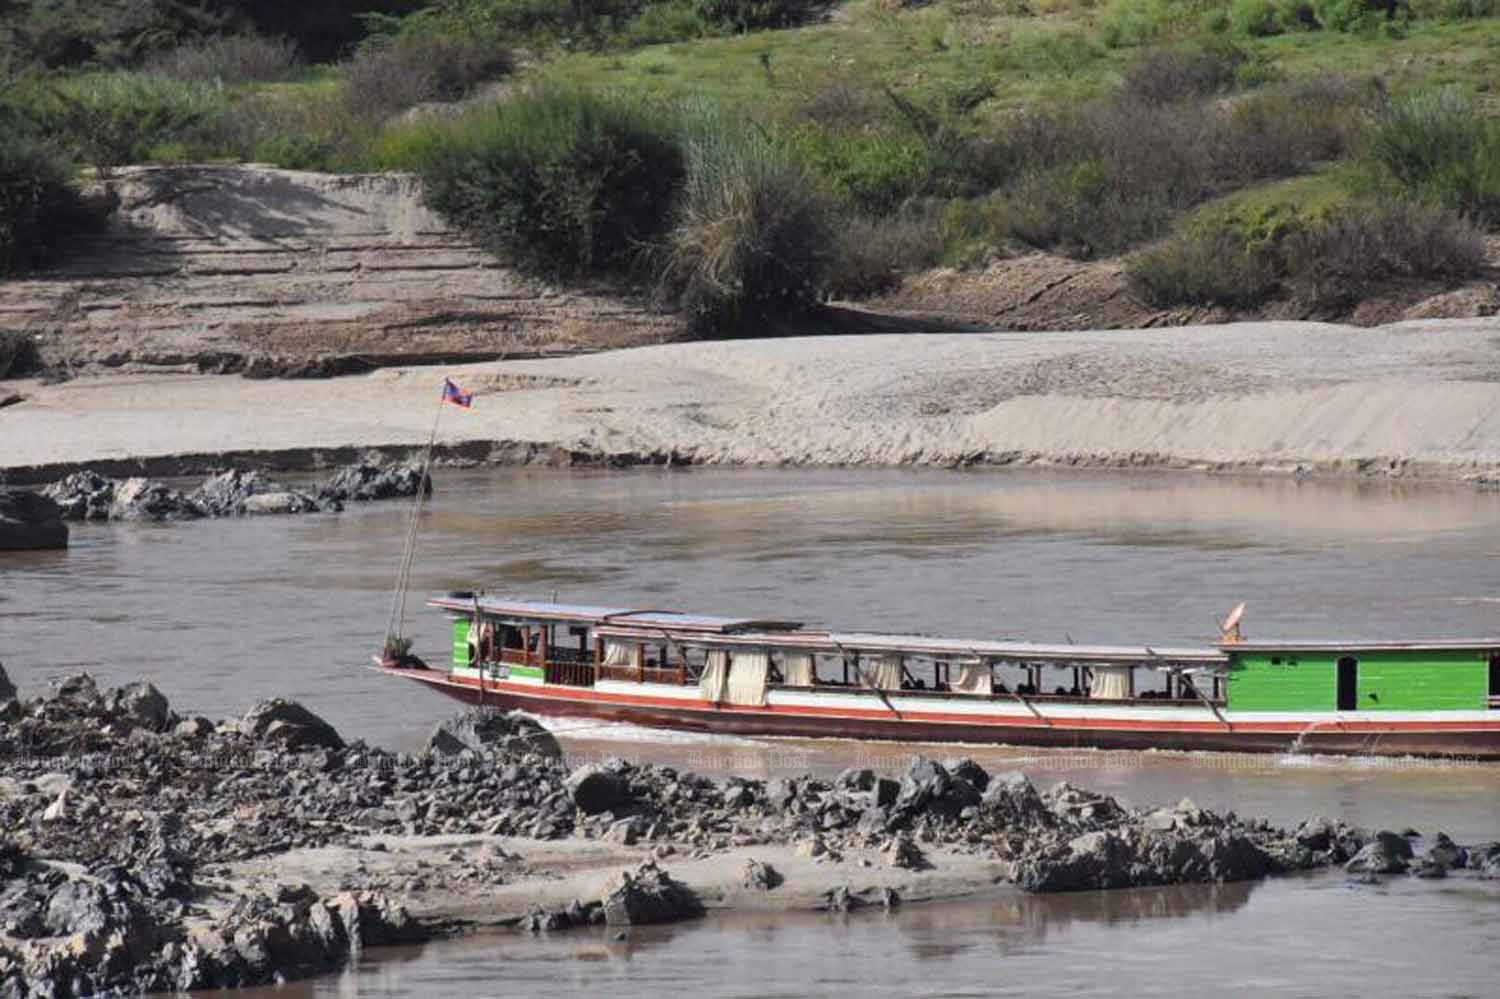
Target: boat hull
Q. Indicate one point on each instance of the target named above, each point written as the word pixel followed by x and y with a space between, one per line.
pixel 1468 740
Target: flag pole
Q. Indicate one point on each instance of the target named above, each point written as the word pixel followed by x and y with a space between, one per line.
pixel 397 619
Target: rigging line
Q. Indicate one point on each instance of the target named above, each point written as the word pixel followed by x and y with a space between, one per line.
pixel 396 620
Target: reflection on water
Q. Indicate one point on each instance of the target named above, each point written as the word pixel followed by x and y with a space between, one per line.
pixel 222 613
pixel 1317 936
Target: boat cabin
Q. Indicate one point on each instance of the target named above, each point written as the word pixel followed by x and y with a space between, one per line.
pixel 738 660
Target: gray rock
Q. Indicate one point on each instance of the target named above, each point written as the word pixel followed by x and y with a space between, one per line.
pixel 1448 853
pixel 841 899
pixel 7 689
pixel 760 876
pixel 84 495
pixel 143 705
pixel 488 730
pixel 283 502
pixel 144 499
pixel 235 493
pixel 30 521
pixel 648 895
pixel 1317 833
pixel 1013 798
pixel 1387 853
pixel 903 853
pixel 367 481
pixel 77 907
pixel 594 789
pixel 967 769
pixel 289 725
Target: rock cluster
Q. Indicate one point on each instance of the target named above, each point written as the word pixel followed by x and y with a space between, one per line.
pixel 367 481
pixel 87 495
pixel 30 521
pixel 127 802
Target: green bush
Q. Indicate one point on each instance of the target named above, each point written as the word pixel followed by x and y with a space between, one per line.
pixel 876 172
pixel 1207 266
pixel 1126 23
pixel 873 254
pixel 673 21
pixel 39 207
pixel 755 15
pixel 228 59
pixel 111 119
pixel 564 184
pixel 1434 145
pixel 392 73
pixel 1362 248
pixel 1166 75
pixel 1255 18
pixel 1326 261
pixel 752 234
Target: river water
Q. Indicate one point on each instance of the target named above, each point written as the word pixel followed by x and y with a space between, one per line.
pixel 219 614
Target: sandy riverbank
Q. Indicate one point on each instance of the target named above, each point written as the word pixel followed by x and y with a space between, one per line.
pixel 1415 398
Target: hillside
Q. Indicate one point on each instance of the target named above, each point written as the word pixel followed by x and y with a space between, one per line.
pixel 1043 164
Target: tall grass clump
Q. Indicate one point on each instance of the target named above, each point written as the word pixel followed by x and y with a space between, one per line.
pixel 1205 266
pixel 228 59
pixel 1098 179
pixel 111 119
pixel 564 184
pixel 752 233
pixel 389 74
pixel 1327 262
pixel 1437 147
pixel 1359 250
pixel 39 207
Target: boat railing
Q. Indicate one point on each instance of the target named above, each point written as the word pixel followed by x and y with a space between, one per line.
pixel 571 674
pixel 636 674
pixel 948 695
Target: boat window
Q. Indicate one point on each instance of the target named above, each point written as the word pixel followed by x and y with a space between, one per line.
pixel 510 636
pixel 1348 690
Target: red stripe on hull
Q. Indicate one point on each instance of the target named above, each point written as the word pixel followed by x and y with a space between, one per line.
pixel 1466 740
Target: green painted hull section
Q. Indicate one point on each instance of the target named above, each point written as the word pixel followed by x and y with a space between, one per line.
pixel 1436 680
pixel 461 641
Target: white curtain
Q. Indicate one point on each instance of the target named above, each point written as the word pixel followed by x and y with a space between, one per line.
pixel 1110 682
pixel 711 685
pixel 798 669
pixel 747 678
pixel 975 678
pixel 619 654
pixel 881 673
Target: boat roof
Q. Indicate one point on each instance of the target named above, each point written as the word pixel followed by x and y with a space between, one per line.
pixel 1356 645
pixel 537 610
pixel 834 643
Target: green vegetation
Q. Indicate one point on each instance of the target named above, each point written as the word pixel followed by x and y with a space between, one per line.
pixel 745 158
pixel 565 184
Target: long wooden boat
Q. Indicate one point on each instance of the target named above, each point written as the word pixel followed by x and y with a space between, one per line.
pixel 760 677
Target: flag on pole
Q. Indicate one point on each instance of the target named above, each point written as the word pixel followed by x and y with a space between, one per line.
pixel 452 393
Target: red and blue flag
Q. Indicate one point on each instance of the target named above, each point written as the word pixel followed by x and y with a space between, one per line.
pixel 452 393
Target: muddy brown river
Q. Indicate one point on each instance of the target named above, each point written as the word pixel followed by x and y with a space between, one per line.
pixel 219 614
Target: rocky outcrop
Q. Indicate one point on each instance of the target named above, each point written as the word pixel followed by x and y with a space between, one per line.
pixel 235 493
pixel 84 495
pixel 87 495
pixel 761 876
pixel 594 789
pixel 144 499
pixel 487 730
pixel 30 521
pixel 287 724
pixel 366 481
pixel 648 895
pixel 1387 853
